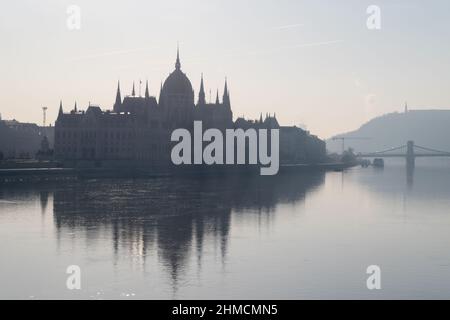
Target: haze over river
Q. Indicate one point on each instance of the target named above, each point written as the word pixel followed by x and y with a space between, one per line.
pixel 286 237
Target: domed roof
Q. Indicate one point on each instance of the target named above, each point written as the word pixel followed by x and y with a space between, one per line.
pixel 177 83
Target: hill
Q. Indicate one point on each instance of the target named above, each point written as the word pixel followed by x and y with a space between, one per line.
pixel 429 128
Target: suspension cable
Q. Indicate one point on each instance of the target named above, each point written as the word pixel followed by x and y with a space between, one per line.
pixel 431 150
pixel 388 150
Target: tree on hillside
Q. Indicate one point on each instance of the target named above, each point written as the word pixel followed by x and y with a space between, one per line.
pixel 348 156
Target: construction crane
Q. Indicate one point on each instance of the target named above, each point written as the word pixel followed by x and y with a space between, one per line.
pixel 348 138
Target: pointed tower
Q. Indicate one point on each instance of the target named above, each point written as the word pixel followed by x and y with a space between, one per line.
pixel 226 96
pixel 75 107
pixel 118 101
pixel 177 63
pixel 61 112
pixel 217 97
pixel 133 92
pixel 260 118
pixel 201 94
pixel 161 95
pixel 147 94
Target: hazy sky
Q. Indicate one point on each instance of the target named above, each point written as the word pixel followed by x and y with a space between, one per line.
pixel 312 62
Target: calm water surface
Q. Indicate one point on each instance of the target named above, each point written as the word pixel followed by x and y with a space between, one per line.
pixel 288 237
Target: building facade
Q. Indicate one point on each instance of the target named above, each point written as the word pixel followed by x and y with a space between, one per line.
pixel 137 131
pixel 19 140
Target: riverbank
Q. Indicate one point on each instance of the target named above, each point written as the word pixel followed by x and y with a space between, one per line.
pixel 23 174
pixel 28 164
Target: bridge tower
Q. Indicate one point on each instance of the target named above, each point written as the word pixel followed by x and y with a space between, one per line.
pixel 410 157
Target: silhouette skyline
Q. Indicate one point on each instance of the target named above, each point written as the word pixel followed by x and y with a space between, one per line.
pixel 98 199
pixel 313 62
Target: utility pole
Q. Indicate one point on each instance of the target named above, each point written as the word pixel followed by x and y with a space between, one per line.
pixel 44 111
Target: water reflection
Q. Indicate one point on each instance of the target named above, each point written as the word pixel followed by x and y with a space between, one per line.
pixel 43 197
pixel 410 166
pixel 231 237
pixel 172 218
pixel 426 180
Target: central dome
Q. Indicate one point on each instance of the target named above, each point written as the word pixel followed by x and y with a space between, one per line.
pixel 177 84
pixel 177 88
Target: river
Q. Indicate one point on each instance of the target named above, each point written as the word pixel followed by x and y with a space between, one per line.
pixel 302 236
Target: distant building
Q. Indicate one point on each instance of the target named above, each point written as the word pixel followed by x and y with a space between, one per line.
pixel 296 145
pixel 23 140
pixel 136 132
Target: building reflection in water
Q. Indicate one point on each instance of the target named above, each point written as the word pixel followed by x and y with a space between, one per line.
pixel 410 174
pixel 43 198
pixel 171 217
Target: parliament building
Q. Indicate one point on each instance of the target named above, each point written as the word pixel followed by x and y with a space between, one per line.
pixel 137 131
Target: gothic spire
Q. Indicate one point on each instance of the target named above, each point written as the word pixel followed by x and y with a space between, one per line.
pixel 147 94
pixel 60 108
pixel 75 107
pixel 201 94
pixel 161 95
pixel 177 63
pixel 118 96
pixel 226 96
pixel 133 93
pixel 217 97
pixel 225 91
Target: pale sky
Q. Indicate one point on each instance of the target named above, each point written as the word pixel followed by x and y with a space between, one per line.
pixel 314 63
